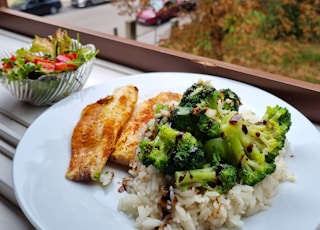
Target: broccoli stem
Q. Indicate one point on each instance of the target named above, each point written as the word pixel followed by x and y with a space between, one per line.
pixel 203 176
pixel 220 178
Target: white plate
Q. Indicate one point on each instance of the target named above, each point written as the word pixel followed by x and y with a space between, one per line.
pixel 52 202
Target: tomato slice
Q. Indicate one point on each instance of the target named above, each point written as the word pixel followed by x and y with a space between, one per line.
pixel 62 58
pixel 59 66
pixel 45 63
pixel 6 66
pixel 72 66
pixel 66 57
pixel 13 58
pixel 73 55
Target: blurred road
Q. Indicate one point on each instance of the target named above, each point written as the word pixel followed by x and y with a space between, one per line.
pixel 105 18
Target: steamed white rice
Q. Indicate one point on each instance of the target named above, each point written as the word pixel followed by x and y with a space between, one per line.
pixel 155 205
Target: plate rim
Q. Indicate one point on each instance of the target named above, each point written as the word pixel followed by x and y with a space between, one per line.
pixel 142 75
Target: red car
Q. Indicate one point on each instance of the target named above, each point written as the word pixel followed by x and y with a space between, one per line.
pixel 160 11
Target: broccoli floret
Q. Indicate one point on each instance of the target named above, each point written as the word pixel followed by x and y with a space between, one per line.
pixel 220 178
pixel 203 94
pixel 252 147
pixel 196 94
pixel 280 115
pixel 188 154
pixel 195 121
pixel 253 172
pixel 171 151
pixel 227 100
pixel 216 150
pixel 200 110
pixel 207 143
pixel 278 120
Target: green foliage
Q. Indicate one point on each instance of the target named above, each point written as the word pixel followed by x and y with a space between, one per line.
pixel 292 19
pixel 279 36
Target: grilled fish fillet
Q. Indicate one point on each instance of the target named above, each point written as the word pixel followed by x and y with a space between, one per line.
pixel 130 136
pixel 95 135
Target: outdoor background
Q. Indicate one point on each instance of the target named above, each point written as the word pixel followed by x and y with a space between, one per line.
pixel 279 36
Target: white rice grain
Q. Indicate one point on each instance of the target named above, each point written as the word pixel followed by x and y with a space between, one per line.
pixel 189 209
pixel 184 218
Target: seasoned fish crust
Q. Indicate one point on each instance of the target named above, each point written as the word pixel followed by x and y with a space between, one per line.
pixel 95 135
pixel 130 135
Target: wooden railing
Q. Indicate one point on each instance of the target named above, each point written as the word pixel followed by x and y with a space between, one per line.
pixel 148 58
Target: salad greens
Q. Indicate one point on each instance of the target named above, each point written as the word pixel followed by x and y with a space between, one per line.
pixel 50 55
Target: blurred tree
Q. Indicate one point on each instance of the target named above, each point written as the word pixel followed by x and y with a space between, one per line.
pixel 129 7
pixel 215 20
pixel 278 36
pixel 274 36
pixel 296 18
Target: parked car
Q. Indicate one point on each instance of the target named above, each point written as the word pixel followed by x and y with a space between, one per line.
pixel 86 3
pixel 159 11
pixel 37 7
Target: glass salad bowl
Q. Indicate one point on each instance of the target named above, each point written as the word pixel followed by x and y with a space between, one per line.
pixel 52 87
